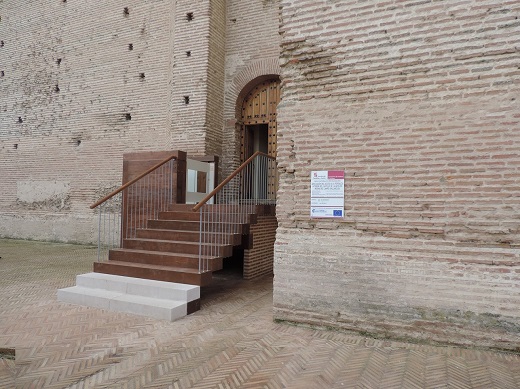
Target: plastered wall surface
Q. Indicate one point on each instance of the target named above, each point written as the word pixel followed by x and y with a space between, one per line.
pixel 418 104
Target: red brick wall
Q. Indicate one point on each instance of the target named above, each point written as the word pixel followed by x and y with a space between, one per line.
pixel 418 104
pixel 258 260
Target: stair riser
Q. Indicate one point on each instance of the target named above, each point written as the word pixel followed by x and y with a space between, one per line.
pixel 187 236
pixel 195 226
pixel 261 208
pixel 151 258
pixel 174 247
pixel 194 216
pixel 153 274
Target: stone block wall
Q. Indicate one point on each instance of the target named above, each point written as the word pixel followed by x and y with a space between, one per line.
pixel 418 103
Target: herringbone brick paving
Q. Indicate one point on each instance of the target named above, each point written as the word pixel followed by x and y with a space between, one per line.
pixel 232 342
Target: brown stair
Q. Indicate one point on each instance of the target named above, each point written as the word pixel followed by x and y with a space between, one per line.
pixel 168 249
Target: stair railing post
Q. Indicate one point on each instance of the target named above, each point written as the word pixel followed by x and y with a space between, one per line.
pixel 99 235
pixel 200 240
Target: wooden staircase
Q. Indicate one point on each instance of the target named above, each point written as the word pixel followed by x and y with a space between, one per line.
pixel 168 249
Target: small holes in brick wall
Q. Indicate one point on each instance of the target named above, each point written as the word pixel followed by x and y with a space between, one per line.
pixel 16 145
pixel 2 73
pixel 58 61
pixel 63 1
pixel 78 142
pixel 141 76
pixel 1 43
pixel 128 116
pixel 126 11
pixel 56 88
pixel 20 120
pixel 130 46
pixel 189 16
pixel 188 54
pixel 186 99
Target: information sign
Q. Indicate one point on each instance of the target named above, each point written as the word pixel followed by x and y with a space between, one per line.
pixel 327 194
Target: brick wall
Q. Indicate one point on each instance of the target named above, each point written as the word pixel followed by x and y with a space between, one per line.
pixel 252 51
pixel 418 103
pixel 198 76
pixel 82 83
pixel 258 260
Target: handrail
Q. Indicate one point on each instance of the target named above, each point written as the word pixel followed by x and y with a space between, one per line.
pixel 123 187
pixel 229 178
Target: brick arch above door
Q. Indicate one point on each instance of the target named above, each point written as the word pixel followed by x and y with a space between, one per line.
pixel 246 79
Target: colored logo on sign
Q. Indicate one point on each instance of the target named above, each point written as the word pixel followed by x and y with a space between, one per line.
pixel 338 212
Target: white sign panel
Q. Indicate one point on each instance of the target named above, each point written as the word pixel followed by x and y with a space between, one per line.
pixel 328 194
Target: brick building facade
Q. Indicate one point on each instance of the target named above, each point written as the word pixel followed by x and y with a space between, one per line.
pixel 417 102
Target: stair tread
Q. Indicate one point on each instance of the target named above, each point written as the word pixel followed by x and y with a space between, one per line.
pixel 193 256
pixel 172 241
pixel 156 267
pixel 169 230
pixel 198 221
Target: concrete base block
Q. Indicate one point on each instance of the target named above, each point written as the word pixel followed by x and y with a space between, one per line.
pixel 156 299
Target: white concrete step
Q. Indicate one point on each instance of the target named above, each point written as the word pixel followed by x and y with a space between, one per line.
pixel 157 299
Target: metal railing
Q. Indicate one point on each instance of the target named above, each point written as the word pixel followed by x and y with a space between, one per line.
pixel 235 200
pixel 127 209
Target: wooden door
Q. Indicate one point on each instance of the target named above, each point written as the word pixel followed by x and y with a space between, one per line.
pixel 259 107
pixel 259 111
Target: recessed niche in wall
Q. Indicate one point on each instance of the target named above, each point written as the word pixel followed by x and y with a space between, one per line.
pixel 1 43
pixel 20 120
pixel 186 99
pixel 189 16
pixel 128 116
pixel 126 11
pixel 56 88
pixel 188 54
pixel 130 46
pixel 141 76
pixel 58 61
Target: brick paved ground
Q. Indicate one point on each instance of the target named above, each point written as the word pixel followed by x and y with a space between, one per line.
pixel 231 343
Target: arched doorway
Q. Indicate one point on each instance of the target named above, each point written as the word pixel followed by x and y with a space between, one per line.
pixel 258 119
pixel 259 127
